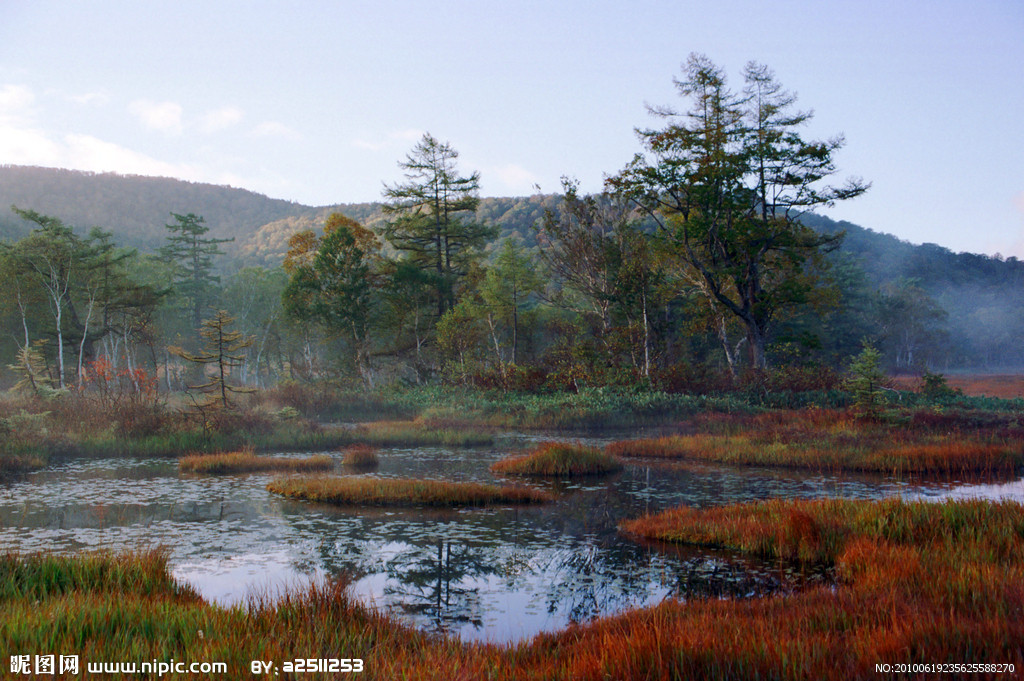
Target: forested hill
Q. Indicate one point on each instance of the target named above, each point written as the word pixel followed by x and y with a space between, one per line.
pixel 980 296
pixel 136 208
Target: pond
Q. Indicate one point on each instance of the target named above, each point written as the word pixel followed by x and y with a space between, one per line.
pixel 497 574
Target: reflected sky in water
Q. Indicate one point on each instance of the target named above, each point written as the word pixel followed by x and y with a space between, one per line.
pixel 495 574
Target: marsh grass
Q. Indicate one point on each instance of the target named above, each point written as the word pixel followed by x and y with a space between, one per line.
pixel 917 583
pixel 247 461
pixel 936 582
pixel 559 460
pixel 360 456
pixel 416 434
pixel 947 446
pixel 347 491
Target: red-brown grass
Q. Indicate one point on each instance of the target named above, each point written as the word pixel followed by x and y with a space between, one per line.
pixel 945 446
pixel 246 461
pixel 918 583
pixel 1003 386
pixel 360 456
pixel 559 460
pixel 402 492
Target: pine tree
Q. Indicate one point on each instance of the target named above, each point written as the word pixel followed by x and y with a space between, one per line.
pixel 191 253
pixel 222 352
pixel 432 216
pixel 727 182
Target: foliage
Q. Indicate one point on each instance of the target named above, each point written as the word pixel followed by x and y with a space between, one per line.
pixel 246 461
pixel 430 216
pixel 726 182
pixel 867 380
pixel 221 352
pixel 360 456
pixel 955 447
pixel 950 570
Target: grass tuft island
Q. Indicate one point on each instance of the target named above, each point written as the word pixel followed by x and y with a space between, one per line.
pixel 559 460
pixel 347 491
pixel 247 461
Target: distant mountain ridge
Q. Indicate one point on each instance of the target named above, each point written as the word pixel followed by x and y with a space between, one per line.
pixel 136 208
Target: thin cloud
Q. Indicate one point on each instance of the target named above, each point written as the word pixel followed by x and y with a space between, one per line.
pixel 516 179
pixel 392 139
pixel 159 116
pixel 15 102
pixel 220 119
pixel 22 145
pixel 275 129
pixel 90 98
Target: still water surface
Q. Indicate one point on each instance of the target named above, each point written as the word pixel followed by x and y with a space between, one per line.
pixel 497 574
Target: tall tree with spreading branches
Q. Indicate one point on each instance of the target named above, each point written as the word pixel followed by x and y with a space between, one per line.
pixel 727 181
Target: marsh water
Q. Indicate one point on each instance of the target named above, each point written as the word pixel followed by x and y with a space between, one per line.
pixel 497 574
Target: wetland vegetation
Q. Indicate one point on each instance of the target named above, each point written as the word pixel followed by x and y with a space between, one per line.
pixel 559 460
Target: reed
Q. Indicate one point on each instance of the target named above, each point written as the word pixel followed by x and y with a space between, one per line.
pixel 247 461
pixel 559 460
pixel 346 491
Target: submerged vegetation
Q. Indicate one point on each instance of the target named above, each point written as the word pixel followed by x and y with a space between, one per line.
pixel 246 461
pixel 398 492
pixel 559 460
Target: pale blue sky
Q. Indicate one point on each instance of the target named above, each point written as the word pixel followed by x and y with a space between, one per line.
pixel 317 101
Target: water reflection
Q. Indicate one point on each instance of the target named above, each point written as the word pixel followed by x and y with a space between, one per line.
pixel 498 573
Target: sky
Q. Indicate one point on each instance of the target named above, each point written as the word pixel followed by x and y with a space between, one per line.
pixel 317 102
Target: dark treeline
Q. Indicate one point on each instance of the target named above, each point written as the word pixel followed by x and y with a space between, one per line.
pixel 701 263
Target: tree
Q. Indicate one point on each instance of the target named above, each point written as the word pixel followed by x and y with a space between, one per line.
pixel 254 293
pixel 222 352
pixel 913 324
pixel 575 245
pixel 48 259
pixel 431 216
pixel 507 286
pixel 867 381
pixel 192 254
pixel 336 289
pixel 727 182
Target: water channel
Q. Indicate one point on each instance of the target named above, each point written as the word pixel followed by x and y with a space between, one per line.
pixel 497 574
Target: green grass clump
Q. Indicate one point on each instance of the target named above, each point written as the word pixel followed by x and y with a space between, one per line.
pixel 403 492
pixel 559 460
pixel 246 461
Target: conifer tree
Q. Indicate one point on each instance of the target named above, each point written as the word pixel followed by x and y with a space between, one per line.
pixel 191 253
pixel 432 216
pixel 221 351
